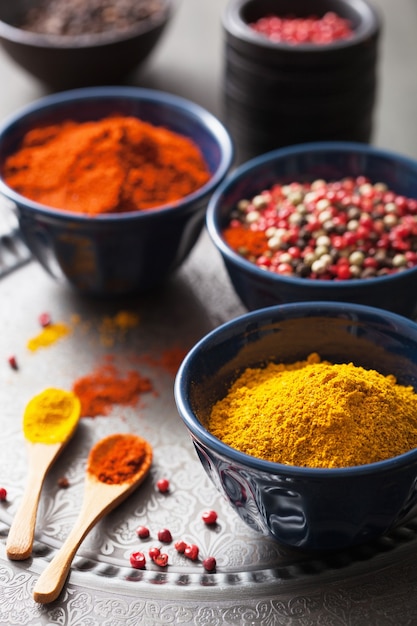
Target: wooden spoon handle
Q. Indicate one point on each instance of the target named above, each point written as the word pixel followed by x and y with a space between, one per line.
pixel 52 579
pixel 98 500
pixel 21 534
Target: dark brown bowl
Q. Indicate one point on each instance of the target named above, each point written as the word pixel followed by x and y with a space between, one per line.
pixel 64 62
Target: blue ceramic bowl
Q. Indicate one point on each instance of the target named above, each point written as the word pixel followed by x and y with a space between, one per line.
pixel 306 508
pixel 258 288
pixel 126 252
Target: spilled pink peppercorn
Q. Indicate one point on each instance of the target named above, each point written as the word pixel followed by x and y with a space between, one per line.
pixel 3 494
pixel 339 230
pixel 191 552
pixel 180 546
pixel 162 485
pixel 161 560
pixel 13 362
pixel 209 563
pixel 209 517
pixel 142 532
pixel 44 319
pixel 138 560
pixel 154 552
pixel 164 535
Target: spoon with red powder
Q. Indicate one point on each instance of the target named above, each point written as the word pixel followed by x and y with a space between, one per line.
pixel 116 466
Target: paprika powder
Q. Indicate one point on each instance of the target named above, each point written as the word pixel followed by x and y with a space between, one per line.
pixel 117 164
pixel 118 458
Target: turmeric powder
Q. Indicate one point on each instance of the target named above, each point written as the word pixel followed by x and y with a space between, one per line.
pixel 48 336
pixel 314 413
pixel 51 416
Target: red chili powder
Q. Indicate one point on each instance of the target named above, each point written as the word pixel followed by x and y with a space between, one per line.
pixel 105 387
pixel 246 241
pixel 170 359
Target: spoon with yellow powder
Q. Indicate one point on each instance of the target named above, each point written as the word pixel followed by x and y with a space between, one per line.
pixel 49 420
pixel 116 466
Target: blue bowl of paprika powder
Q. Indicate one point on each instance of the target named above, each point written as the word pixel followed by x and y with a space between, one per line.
pixel 304 507
pixel 116 253
pixel 378 242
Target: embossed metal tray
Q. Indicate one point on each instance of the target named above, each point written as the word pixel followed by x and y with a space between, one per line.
pixel 256 582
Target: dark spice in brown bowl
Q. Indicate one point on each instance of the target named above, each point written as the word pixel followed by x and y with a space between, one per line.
pixel 85 17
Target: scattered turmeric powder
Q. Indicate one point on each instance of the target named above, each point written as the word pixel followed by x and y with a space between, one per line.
pixel 113 328
pixel 314 413
pixel 48 336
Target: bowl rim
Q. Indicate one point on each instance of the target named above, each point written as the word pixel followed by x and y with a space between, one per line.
pixel 207 119
pixel 234 24
pixel 213 208
pixel 298 309
pixel 24 37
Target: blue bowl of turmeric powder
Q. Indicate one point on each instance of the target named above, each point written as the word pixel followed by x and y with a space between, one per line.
pixel 304 416
pixel 110 184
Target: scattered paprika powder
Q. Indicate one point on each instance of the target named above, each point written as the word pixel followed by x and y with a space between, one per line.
pixel 169 360
pixel 314 413
pixel 114 165
pixel 105 387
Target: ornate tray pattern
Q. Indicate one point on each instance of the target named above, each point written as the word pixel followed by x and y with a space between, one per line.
pixel 256 581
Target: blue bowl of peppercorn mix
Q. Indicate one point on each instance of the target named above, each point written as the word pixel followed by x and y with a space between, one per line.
pixel 332 221
pixel 133 247
pixel 305 507
pixel 68 44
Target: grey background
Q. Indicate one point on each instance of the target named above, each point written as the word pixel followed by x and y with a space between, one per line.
pixel 189 62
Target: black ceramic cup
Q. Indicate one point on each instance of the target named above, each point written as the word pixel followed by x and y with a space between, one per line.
pixel 279 94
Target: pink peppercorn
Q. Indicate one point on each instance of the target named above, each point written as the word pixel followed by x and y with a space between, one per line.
pixel 138 560
pixel 154 552
pixel 164 535
pixel 180 546
pixel 13 362
pixel 142 532
pixel 162 485
pixel 3 494
pixel 209 564
pixel 44 319
pixel 209 517
pixel 161 560
pixel 191 552
pixel 297 30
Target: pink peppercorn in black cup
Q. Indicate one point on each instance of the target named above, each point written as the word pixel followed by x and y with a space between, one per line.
pixel 354 240
pixel 318 84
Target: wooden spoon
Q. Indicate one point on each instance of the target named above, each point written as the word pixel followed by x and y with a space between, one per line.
pixel 99 498
pixel 44 441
